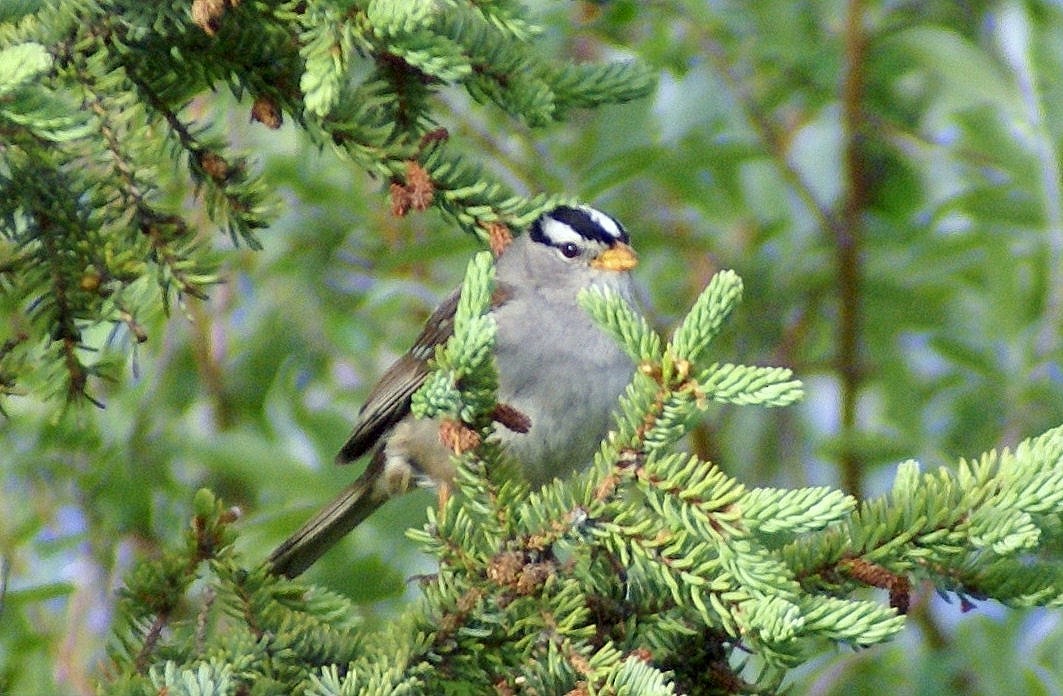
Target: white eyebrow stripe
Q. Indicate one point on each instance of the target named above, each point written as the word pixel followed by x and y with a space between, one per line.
pixel 604 221
pixel 560 233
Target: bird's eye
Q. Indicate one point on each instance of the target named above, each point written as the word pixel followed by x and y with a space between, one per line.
pixel 569 250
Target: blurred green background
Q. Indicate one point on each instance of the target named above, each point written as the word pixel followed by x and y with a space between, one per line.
pixel 884 176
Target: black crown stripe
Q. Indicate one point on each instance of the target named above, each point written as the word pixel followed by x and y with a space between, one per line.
pixel 581 222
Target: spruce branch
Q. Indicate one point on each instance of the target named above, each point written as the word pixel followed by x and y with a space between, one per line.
pixel 670 389
pixel 745 385
pixel 774 511
pixel 101 92
pixel 624 324
pixel 196 618
pixel 705 318
pixel 653 568
pixel 466 358
pixel 970 532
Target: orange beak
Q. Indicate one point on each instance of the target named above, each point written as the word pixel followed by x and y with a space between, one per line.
pixel 619 257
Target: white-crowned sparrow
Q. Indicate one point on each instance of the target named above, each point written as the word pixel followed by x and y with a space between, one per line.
pixel 555 366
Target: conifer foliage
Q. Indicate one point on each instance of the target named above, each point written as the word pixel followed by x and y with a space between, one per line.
pixel 93 224
pixel 652 573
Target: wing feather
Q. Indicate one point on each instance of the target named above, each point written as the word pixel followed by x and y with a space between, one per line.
pixel 389 401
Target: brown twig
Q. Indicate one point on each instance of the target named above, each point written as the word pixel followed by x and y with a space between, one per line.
pixel 844 225
pixel 847 241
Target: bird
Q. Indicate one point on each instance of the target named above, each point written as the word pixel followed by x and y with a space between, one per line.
pixel 556 367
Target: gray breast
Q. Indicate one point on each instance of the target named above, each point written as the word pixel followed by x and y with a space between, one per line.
pixel 565 374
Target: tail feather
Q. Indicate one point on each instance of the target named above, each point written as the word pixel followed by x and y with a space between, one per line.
pixel 299 551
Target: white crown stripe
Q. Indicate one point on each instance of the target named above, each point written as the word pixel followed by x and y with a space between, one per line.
pixel 560 233
pixel 604 221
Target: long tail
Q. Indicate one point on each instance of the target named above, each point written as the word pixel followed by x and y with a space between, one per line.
pixel 344 513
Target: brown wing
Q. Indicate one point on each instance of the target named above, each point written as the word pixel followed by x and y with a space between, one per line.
pixel 389 401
